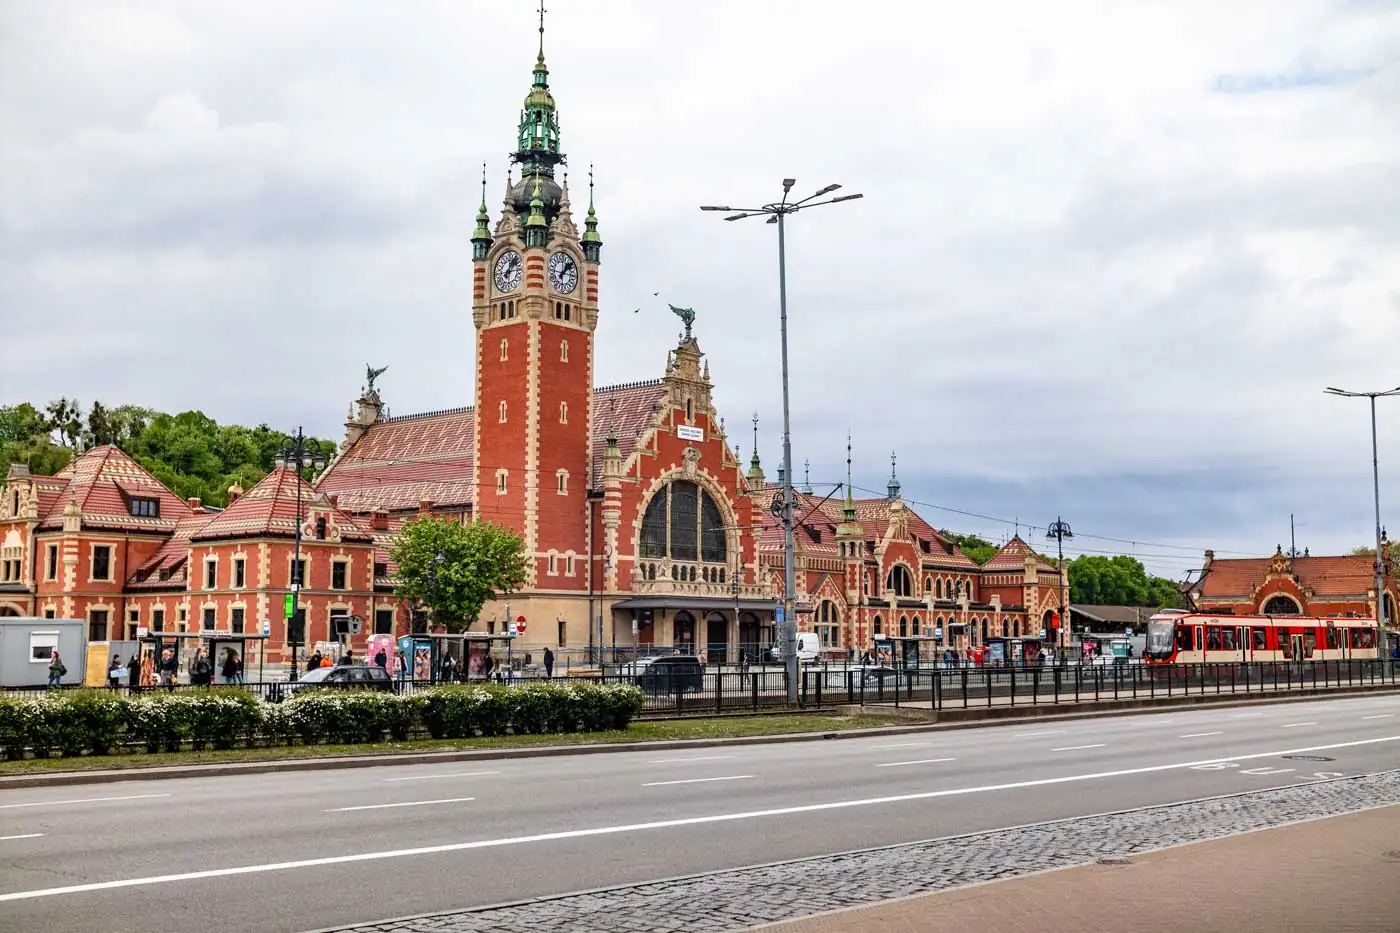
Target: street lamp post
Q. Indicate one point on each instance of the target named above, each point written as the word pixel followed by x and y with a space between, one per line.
pixel 776 214
pixel 298 454
pixel 1059 531
pixel 1382 646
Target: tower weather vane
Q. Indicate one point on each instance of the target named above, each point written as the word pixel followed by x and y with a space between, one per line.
pixel 687 315
pixel 372 374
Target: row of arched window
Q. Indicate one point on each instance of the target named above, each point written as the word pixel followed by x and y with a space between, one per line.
pixel 686 573
pixel 900 582
pixel 563 350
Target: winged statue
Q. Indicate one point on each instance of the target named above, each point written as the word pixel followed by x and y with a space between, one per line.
pixel 687 315
pixel 372 374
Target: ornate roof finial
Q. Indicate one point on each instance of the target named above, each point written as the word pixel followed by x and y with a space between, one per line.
pixel 807 477
pixel 848 513
pixel 893 487
pixel 481 238
pixel 592 242
pixel 755 468
pixel 542 12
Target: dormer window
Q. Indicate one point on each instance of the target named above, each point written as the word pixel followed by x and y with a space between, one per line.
pixel 321 529
pixel 145 508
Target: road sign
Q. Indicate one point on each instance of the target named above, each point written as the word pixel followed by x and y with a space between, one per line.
pixel 267 626
pixel 1042 633
pixel 781 611
pixel 289 605
pixel 356 624
pixel 511 630
pixel 141 631
pixel 1128 632
pixel 520 623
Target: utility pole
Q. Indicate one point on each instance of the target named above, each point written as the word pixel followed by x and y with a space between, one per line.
pixel 296 454
pixel 775 214
pixel 1059 531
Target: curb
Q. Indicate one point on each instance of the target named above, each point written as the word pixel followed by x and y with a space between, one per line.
pixel 966 719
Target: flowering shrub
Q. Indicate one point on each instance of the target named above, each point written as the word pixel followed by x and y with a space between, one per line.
pixel 95 721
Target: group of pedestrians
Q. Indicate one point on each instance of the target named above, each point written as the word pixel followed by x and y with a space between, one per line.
pixel 144 671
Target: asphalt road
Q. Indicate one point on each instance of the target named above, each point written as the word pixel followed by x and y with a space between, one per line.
pixel 291 852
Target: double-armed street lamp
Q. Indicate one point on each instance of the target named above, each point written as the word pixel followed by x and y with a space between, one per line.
pixel 298 453
pixel 1058 531
pixel 776 213
pixel 1382 639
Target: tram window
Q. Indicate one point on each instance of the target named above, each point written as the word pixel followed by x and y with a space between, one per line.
pixel 1363 638
pixel 1212 638
pixel 1183 638
pixel 1227 640
pixel 1285 642
pixel 1261 639
pixel 1333 642
pixel 1309 641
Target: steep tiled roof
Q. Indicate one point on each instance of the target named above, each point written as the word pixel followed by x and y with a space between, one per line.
pixel 400 462
pixel 172 558
pixel 270 508
pixel 1349 575
pixel 102 481
pixel 1013 554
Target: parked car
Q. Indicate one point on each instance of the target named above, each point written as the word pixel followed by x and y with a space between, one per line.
pixel 809 648
pixel 680 672
pixel 361 676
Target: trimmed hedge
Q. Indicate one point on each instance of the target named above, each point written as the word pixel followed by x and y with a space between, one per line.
pixel 80 722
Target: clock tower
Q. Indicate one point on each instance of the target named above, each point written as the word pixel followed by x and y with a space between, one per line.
pixel 535 307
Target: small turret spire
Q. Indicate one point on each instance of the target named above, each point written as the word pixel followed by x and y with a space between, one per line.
pixel 481 238
pixel 592 242
pixel 893 487
pixel 536 227
pixel 848 512
pixel 755 468
pixel 807 477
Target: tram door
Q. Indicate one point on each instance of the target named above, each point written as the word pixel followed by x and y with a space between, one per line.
pixel 1298 656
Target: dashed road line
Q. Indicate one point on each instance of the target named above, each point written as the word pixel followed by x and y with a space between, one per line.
pixel 1075 748
pixel 921 761
pixel 731 777
pixel 1198 735
pixel 435 777
pixel 64 803
pixel 407 803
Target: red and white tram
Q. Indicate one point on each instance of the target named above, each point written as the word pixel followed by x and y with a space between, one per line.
pixel 1180 637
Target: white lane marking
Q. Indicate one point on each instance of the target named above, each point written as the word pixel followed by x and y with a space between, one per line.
pixel 921 761
pixel 903 745
pixel 1294 725
pixel 1198 735
pixel 1245 715
pixel 673 761
pixel 64 803
pixel 21 836
pixel 1267 770
pixel 732 777
pixel 1075 748
pixel 1379 716
pixel 410 803
pixel 434 777
pixel 1027 735
pixel 660 824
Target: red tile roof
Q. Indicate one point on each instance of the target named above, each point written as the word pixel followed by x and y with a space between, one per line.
pixel 172 558
pixel 1350 575
pixel 270 509
pixel 1013 554
pixel 400 462
pixel 103 481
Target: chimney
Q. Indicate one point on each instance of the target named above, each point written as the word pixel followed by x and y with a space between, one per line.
pixel 1210 559
pixel 334 500
pixel 379 520
pixel 425 508
pixel 196 503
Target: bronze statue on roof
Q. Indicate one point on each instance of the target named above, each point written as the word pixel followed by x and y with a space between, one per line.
pixel 687 315
pixel 372 374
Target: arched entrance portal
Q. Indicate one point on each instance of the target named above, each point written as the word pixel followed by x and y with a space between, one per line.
pixel 750 635
pixel 716 638
pixel 8 612
pixel 684 633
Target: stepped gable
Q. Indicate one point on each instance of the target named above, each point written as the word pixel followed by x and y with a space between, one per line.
pixel 103 481
pixel 269 509
pixel 1012 557
pixel 1348 575
pixel 626 411
pixel 401 462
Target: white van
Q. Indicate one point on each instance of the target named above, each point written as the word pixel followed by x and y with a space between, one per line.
pixel 809 647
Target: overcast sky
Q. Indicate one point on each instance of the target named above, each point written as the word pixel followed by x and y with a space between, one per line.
pixel 1109 252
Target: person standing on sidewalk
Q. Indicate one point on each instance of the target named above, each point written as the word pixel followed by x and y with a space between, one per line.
pixel 548 663
pixel 229 669
pixel 133 672
pixel 114 672
pixel 56 670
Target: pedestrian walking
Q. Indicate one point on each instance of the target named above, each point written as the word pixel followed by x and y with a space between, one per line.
pixel 114 672
pixel 133 673
pixel 548 662
pixel 56 670
pixel 201 671
pixel 448 667
pixel 229 669
pixel 314 661
pixel 169 670
pixel 381 660
pixel 401 666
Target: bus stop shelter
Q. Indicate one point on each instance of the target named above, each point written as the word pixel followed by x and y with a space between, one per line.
pixel 184 646
pixel 468 651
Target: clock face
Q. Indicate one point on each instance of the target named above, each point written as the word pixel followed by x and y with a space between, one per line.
pixel 509 269
pixel 563 274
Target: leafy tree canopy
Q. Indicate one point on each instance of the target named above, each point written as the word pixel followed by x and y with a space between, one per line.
pixel 454 569
pixel 1119 581
pixel 979 549
pixel 189 452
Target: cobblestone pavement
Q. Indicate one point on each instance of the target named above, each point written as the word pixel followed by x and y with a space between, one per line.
pixel 740 898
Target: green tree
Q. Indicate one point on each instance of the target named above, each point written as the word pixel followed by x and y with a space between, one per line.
pixel 24 438
pixel 65 419
pixel 980 550
pixel 455 569
pixel 1119 581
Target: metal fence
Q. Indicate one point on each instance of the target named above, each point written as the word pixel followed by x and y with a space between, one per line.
pixel 755 688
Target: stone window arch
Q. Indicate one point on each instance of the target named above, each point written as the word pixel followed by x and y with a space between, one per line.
pixel 938 588
pixel 501 475
pixel 684 522
pixel 903 626
pixel 1282 605
pixel 503 413
pixel 563 351
pixel 928 585
pixel 828 624
pixel 877 626
pixel 561 481
pixel 563 412
pixel 899 581
pixel 505 349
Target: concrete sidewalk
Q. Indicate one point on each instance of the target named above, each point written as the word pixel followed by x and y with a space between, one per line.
pixel 1328 876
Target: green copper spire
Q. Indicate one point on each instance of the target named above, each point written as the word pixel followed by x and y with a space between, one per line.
pixel 481 237
pixel 893 487
pixel 537 143
pixel 592 242
pixel 755 469
pixel 536 227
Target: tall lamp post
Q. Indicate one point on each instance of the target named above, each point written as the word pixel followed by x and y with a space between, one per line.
pixel 777 213
pixel 299 455
pixel 1382 640
pixel 1058 531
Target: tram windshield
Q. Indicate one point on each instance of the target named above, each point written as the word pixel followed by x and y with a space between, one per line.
pixel 1159 638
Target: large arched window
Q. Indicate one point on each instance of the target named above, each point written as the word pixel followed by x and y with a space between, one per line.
pixel 828 621
pixel 899 582
pixel 1282 606
pixel 684 522
pixel 903 626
